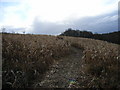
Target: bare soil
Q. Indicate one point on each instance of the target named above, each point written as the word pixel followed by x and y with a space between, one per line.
pixel 62 72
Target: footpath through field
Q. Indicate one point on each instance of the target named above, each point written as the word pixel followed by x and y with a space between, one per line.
pixel 65 72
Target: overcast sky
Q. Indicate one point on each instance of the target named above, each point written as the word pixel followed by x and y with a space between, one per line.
pixel 55 16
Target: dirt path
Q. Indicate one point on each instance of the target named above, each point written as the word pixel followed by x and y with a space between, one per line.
pixel 63 71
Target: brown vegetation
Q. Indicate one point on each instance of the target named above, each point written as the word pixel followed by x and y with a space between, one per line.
pixel 101 63
pixel 27 57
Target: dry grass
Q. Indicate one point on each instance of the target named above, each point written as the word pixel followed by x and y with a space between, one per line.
pixel 27 57
pixel 100 63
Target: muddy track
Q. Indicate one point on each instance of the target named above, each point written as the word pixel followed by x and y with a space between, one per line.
pixel 62 72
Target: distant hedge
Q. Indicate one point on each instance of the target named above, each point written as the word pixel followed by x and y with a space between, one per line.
pixel 110 37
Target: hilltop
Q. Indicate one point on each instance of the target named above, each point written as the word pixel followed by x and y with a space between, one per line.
pixel 35 60
pixel 112 37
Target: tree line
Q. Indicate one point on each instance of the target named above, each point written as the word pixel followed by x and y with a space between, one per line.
pixel 113 37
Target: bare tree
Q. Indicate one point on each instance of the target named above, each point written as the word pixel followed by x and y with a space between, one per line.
pixel 3 30
pixel 23 32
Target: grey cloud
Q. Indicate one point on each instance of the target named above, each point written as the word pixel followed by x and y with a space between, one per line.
pixel 100 24
pixel 47 27
pixel 12 29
